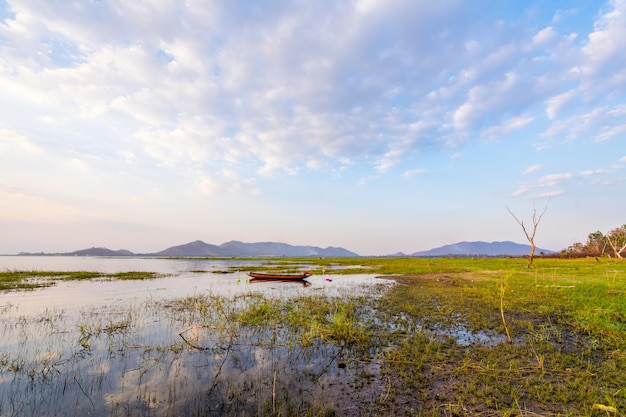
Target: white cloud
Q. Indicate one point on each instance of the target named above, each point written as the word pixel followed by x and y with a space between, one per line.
pixel 303 87
pixel 612 132
pixel 595 71
pixel 508 126
pixel 557 102
pixel 283 80
pixel 12 143
pixel 482 100
pixel 413 172
pixel 532 168
pixel 605 51
pixel 388 160
pixel 553 179
pixel 623 159
pixel 520 191
pixel 593 172
pixel 544 36
pixel 601 123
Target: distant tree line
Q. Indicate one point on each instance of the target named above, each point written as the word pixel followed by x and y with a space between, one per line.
pixel 612 245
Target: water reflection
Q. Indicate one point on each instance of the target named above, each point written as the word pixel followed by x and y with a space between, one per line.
pixel 159 347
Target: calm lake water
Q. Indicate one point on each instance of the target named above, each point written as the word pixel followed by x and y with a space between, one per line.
pixel 114 348
pixel 183 279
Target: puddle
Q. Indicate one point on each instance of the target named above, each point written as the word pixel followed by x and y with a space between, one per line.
pixel 459 332
pixel 465 337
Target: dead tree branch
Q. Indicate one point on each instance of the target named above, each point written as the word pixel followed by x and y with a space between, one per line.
pixel 530 236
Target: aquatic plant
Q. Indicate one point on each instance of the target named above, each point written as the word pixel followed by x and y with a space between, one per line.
pixel 28 280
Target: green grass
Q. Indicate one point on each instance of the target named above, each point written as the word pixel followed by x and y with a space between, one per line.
pixel 385 266
pixel 306 318
pixel 567 320
pixel 25 280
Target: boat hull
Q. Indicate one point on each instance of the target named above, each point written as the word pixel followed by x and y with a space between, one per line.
pixel 278 277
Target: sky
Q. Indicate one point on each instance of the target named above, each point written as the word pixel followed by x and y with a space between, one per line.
pixel 380 126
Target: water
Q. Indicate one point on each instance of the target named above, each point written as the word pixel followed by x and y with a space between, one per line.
pixel 107 264
pixel 183 279
pixel 114 348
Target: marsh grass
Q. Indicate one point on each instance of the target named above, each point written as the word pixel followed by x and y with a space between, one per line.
pixel 295 321
pixel 435 344
pixel 26 280
pixel 567 323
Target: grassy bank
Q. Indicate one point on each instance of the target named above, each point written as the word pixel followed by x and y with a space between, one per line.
pixel 567 325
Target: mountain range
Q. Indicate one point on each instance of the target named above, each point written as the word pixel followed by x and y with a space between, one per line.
pixel 235 248
pixel 241 249
pixel 507 248
pixel 200 249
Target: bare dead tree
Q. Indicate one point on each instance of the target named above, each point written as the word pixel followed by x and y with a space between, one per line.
pixel 617 239
pixel 530 236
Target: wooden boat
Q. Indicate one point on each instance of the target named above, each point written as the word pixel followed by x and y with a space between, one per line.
pixel 279 277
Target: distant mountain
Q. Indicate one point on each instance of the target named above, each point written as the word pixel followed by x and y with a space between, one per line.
pixel 230 249
pixel 99 252
pixel 197 248
pixel 283 249
pixel 507 248
pixel 234 248
pixel 241 249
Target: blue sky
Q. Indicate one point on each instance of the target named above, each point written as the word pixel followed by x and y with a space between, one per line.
pixel 376 125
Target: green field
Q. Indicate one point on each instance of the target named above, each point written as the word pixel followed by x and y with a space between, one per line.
pixel 567 325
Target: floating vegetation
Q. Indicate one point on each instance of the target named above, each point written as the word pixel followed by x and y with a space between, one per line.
pixel 134 275
pixel 27 280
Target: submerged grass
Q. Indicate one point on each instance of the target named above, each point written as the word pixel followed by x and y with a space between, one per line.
pixel 25 280
pixel 302 319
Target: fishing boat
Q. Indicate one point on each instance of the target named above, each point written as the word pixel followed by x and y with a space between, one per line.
pixel 279 277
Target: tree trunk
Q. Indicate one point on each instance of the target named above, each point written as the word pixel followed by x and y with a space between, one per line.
pixel 532 254
pixel 615 250
pixel 530 237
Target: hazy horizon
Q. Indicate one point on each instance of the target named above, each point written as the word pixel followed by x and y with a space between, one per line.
pixel 287 243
